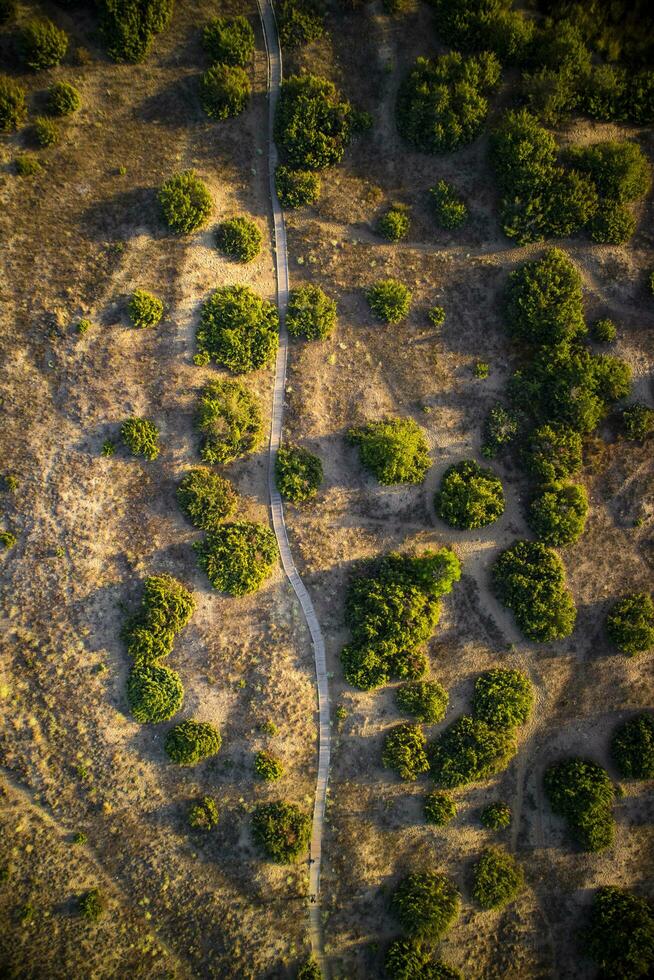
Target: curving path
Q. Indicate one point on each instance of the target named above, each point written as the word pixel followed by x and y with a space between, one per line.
pixel 274 55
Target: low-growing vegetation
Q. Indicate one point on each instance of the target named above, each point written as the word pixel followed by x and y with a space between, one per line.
pixel 203 814
pixel 440 809
pixel 497 879
pixel 282 830
pixel 630 623
pixel 409 959
pixel 470 750
pixel 63 99
pixel 638 421
pixel 632 747
pixel 619 933
pixel 267 767
pixel 239 238
pixel 154 691
pixel 426 904
pixel 310 313
pixel 389 300
pixel 191 742
pixel 393 449
pixel 394 224
pixel 145 310
pixel 581 791
pixel 224 91
pixel 238 329
pixel 12 104
pixel 130 26
pixel 312 124
pixel 426 700
pixel 298 473
pixel 496 816
pixel 529 579
pixel 557 514
pixel 229 421
pixel 141 436
pixel 229 41
pixel 404 751
pixel 503 698
pixel 470 496
pixel 238 557
pixel 450 210
pixel 296 188
pixel 42 44
pixel 206 498
pixel 186 203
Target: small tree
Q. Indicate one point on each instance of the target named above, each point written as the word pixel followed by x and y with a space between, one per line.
pixel 393 449
pixel 440 809
pixel 155 693
pixel 63 99
pixel 529 578
pixel 426 905
pixel 426 700
pixel 544 301
pixel 191 742
pixel 229 41
pixel 224 91
pixel 239 238
pixel 282 829
pixel 557 514
pixel 42 44
pixel 404 751
pixel 145 310
pixel 229 421
pixel 394 224
pixel 12 104
pixel 130 26
pixel 619 934
pixel 238 329
pixel 296 188
pixel 496 816
pixel 185 202
pixel 141 436
pixel 632 747
pixel 312 124
pixel 298 473
pixel 203 815
pixel 206 498
pixel 497 879
pixel 503 698
pixel 268 767
pixel 470 496
pixel 311 313
pixel 470 750
pixel 450 209
pixel 582 792
pixel 389 300
pixel 630 623
pixel 408 959
pixel 238 557
pixel 638 421
pixel 553 452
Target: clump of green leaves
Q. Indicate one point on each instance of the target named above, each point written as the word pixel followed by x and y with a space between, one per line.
pixel 238 557
pixel 436 316
pixel 268 767
pixel 581 791
pixel 155 692
pixel 238 329
pixel 470 496
pixel 166 608
pixel 42 44
pixel 557 514
pixel 497 879
pixel 632 747
pixel 129 26
pixel 450 210
pixel 311 313
pixel 300 22
pixel 472 26
pixel 206 498
pixel 145 310
pixel 298 473
pixel 229 421
pixel 312 124
pixel 470 750
pixel 638 421
pixel 553 452
pixel 229 41
pixel 409 959
pixel 282 829
pixel 529 579
pixel 394 224
pixel 63 99
pixel 389 300
pixel 224 91
pixel 440 809
pixel 503 697
pixel 404 751
pixel 496 816
pixel 141 436
pixel 426 904
pixel 92 905
pixel 296 188
pixel 309 970
pixel 12 104
pixel 27 165
pixel 500 430
pixel 619 934
pixel 604 331
pixel 191 742
pixel 426 700
pixel 393 449
pixel 630 623
pixel 185 202
pixel 203 814
pixel 543 303
pixel 46 131
pixel 239 238
pixel 7 540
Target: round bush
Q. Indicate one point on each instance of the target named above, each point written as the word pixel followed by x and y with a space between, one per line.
pixel 298 473
pixel 394 450
pixel 470 750
pixel 141 436
pixel 146 645
pixel 12 104
pixel 604 331
pixel 497 879
pixel 185 202
pixel 557 515
pixel 268 767
pixel 239 238
pixel 203 815
pixel 619 934
pixel 166 608
pixel 389 300
pixel 470 496
pixel 311 313
pixel 450 210
pixel 7 540
pixel 296 188
pixel 312 124
pixel 192 741
pixel 129 28
pixel 496 816
pixel 229 41
pixel 630 623
pixel 145 310
pixel 620 170
pixel 206 498
pixel 224 91
pixel 395 223
pixel 238 557
pixel 92 905
pixel 436 316
pixel 426 700
pixel 553 452
pixel 407 959
pixel 632 748
pixel 529 579
pixel 63 99
pixel 42 44
pixel 426 905
pixel 544 301
pixel 282 829
pixel 503 698
pixel 238 329
pixel 155 693
pixel 404 751
pixel 300 23
pixel 309 970
pixel 440 808
pixel 582 792
pixel 229 421
pixel 613 224
pixel 46 132
pixel 638 421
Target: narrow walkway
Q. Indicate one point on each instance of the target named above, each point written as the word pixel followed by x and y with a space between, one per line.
pixel 273 51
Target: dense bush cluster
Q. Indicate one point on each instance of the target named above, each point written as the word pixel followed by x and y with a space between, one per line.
pixel 619 934
pixel 582 792
pixel 621 174
pixel 185 202
pixel 145 310
pixel 632 747
pixel 239 238
pixel 166 608
pixel 389 300
pixel 191 742
pixel 155 692
pixel 393 449
pixel 206 498
pixel 426 700
pixel 404 751
pixel 310 313
pixel 267 767
pixel 141 436
pixel 42 44
pixel 63 99
pixel 442 104
pixel 470 750
pixel 312 125
pixel 426 904
pixel 450 210
pixel 497 879
pixel 440 808
pixel 300 22
pixel 224 91
pixel 543 300
pixel 129 26
pixel 394 224
pixel 296 188
pixel 282 829
pixel 503 697
pixel 298 473
pixel 557 514
pixel 529 578
pixel 392 609
pixel 203 815
pixel 638 421
pixel 238 557
pixel 484 25
pixel 238 329
pixel 46 131
pixel 470 496
pixel 229 421
pixel 630 623
pixel 409 959
pixel 553 452
pixel 496 816
pixel 12 104
pixel 229 41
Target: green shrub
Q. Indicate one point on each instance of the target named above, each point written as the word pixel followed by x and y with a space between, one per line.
pixel 553 452
pixel 392 608
pixel 311 313
pixel 206 498
pixel 442 103
pixel 550 94
pixel 192 741
pixel 393 449
pixel 407 959
pixel 426 700
pixel 404 751
pixel 440 808
pixel 42 44
pixel 312 124
pixel 141 436
pixel 389 300
pixel 640 98
pixel 282 829
pixel 296 188
pixel 166 608
pixel 185 202
pixel 638 421
pixel 224 91
pixel 63 99
pixel 481 370
pixel 300 22
pixel 619 934
pixel 557 515
pixel 436 316
pixel 471 25
pixel 229 41
pixel 203 815
pixel 155 693
pixel 496 816
pixel 470 496
pixel 582 792
pixel 298 473
pixel 604 331
pixel 394 224
pixel 632 747
pixel 268 767
pixel 500 429
pixel 620 171
pixel 79 837
pixel 309 970
pixel 614 224
pixel 503 698
pixel 450 209
pixel 238 329
pixel 470 750
pixel 46 132
pixel 83 326
pixel 529 579
pixel 27 165
pixel 426 904
pixel 630 623
pixel 145 310
pixel 497 879
pixel 129 26
pixel 544 303
pixel 238 557
pixel 239 238
pixel 92 905
pixel 229 421
pixel 7 540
